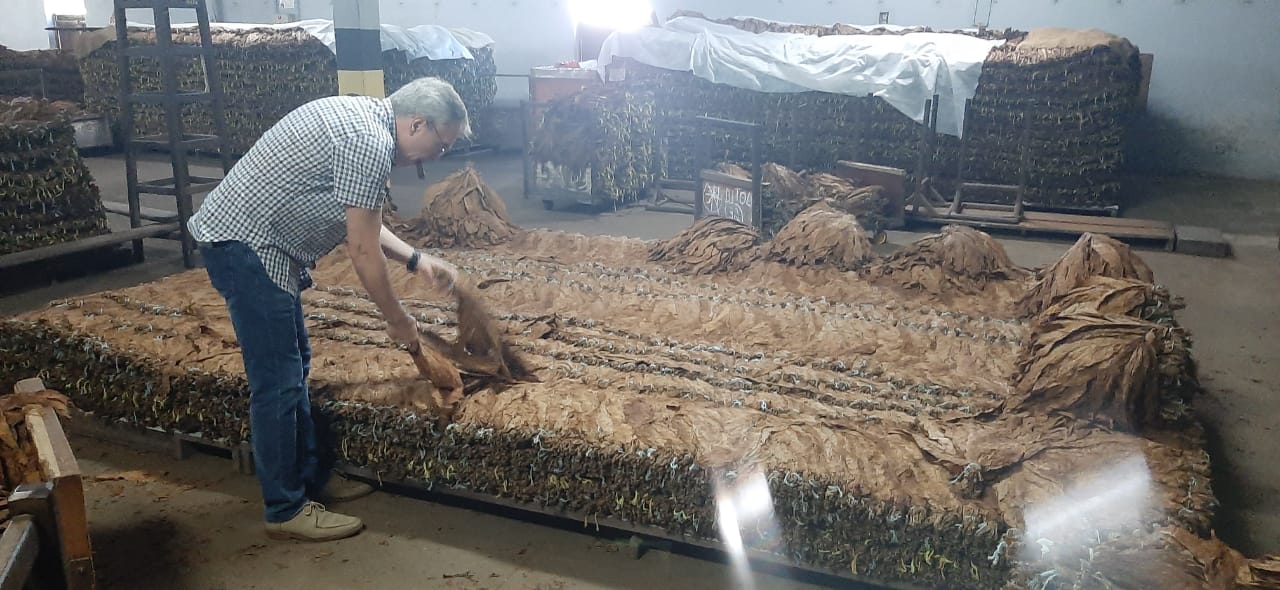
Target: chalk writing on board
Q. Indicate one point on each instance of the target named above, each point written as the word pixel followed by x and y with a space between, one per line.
pixel 722 200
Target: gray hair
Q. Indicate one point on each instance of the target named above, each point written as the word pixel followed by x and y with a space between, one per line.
pixel 432 99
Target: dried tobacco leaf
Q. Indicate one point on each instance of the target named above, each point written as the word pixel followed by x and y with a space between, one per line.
pixel 1091 255
pixel 459 211
pixel 959 258
pixel 711 245
pixel 821 235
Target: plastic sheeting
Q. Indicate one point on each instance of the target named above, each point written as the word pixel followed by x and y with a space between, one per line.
pixel 430 41
pixel 904 70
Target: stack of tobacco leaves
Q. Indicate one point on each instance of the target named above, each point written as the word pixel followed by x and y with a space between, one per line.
pixel 47 195
pixel 266 73
pixel 756 25
pixel 787 193
pixel 1077 88
pixel 1091 255
pixel 957 259
pixel 607 130
pixel 821 236
pixel 1105 345
pixel 21 74
pixel 710 245
pixel 460 211
pixel 867 203
pixel 880 428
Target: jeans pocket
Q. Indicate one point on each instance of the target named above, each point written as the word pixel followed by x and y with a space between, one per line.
pixel 220 268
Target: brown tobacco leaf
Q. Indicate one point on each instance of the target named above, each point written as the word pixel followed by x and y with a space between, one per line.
pixel 1095 367
pixel 713 244
pixel 958 258
pixel 460 211
pixel 821 236
pixel 1092 255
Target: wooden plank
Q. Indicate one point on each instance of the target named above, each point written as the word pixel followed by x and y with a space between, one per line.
pixel 32 385
pixel 111 239
pixel 62 470
pixel 1115 231
pixel 1058 227
pixel 19 546
pixel 147 213
pixel 1009 188
pixel 1098 220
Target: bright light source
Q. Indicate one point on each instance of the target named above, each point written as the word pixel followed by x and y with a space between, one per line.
pixel 52 7
pixel 621 15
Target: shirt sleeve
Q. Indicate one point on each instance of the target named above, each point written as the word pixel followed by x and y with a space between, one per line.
pixel 361 166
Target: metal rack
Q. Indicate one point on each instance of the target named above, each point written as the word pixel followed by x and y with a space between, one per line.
pixel 182 185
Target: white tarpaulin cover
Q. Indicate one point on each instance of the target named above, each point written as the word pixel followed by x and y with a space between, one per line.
pixel 429 41
pixel 905 70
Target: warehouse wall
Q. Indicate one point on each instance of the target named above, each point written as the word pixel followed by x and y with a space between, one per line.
pixel 23 25
pixel 1214 104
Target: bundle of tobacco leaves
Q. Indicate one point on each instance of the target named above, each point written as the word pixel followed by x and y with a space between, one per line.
pixel 821 236
pixel 957 259
pixel 1091 255
pixel 47 195
pixel 713 244
pixel 1096 367
pixel 459 211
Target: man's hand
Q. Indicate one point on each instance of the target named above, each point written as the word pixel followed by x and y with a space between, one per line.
pixel 436 272
pixel 402 328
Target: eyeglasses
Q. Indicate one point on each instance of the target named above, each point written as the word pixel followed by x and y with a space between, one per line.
pixel 444 147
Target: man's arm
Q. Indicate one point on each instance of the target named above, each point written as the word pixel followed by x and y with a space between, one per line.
pixel 435 271
pixel 364 229
pixel 394 247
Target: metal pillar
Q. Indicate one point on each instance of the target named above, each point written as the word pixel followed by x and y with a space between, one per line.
pixel 357 32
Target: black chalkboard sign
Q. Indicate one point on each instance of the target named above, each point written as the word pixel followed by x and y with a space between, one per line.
pixel 721 195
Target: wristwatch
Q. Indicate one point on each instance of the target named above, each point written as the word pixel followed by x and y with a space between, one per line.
pixel 412 263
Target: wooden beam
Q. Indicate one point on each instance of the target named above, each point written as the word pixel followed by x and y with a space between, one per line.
pixel 62 470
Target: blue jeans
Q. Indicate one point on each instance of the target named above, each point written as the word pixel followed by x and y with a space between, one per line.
pixel 277 359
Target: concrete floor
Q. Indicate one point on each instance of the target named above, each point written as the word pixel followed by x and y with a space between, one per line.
pixel 194 524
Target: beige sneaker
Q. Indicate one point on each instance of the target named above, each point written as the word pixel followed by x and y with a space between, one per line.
pixel 341 488
pixel 314 523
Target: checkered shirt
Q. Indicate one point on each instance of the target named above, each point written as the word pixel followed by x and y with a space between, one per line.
pixel 287 198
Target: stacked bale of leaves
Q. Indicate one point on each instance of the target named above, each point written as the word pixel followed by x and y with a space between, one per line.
pixel 266 73
pixel 1077 89
pixel 610 132
pixel 21 74
pixel 757 25
pixel 47 195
